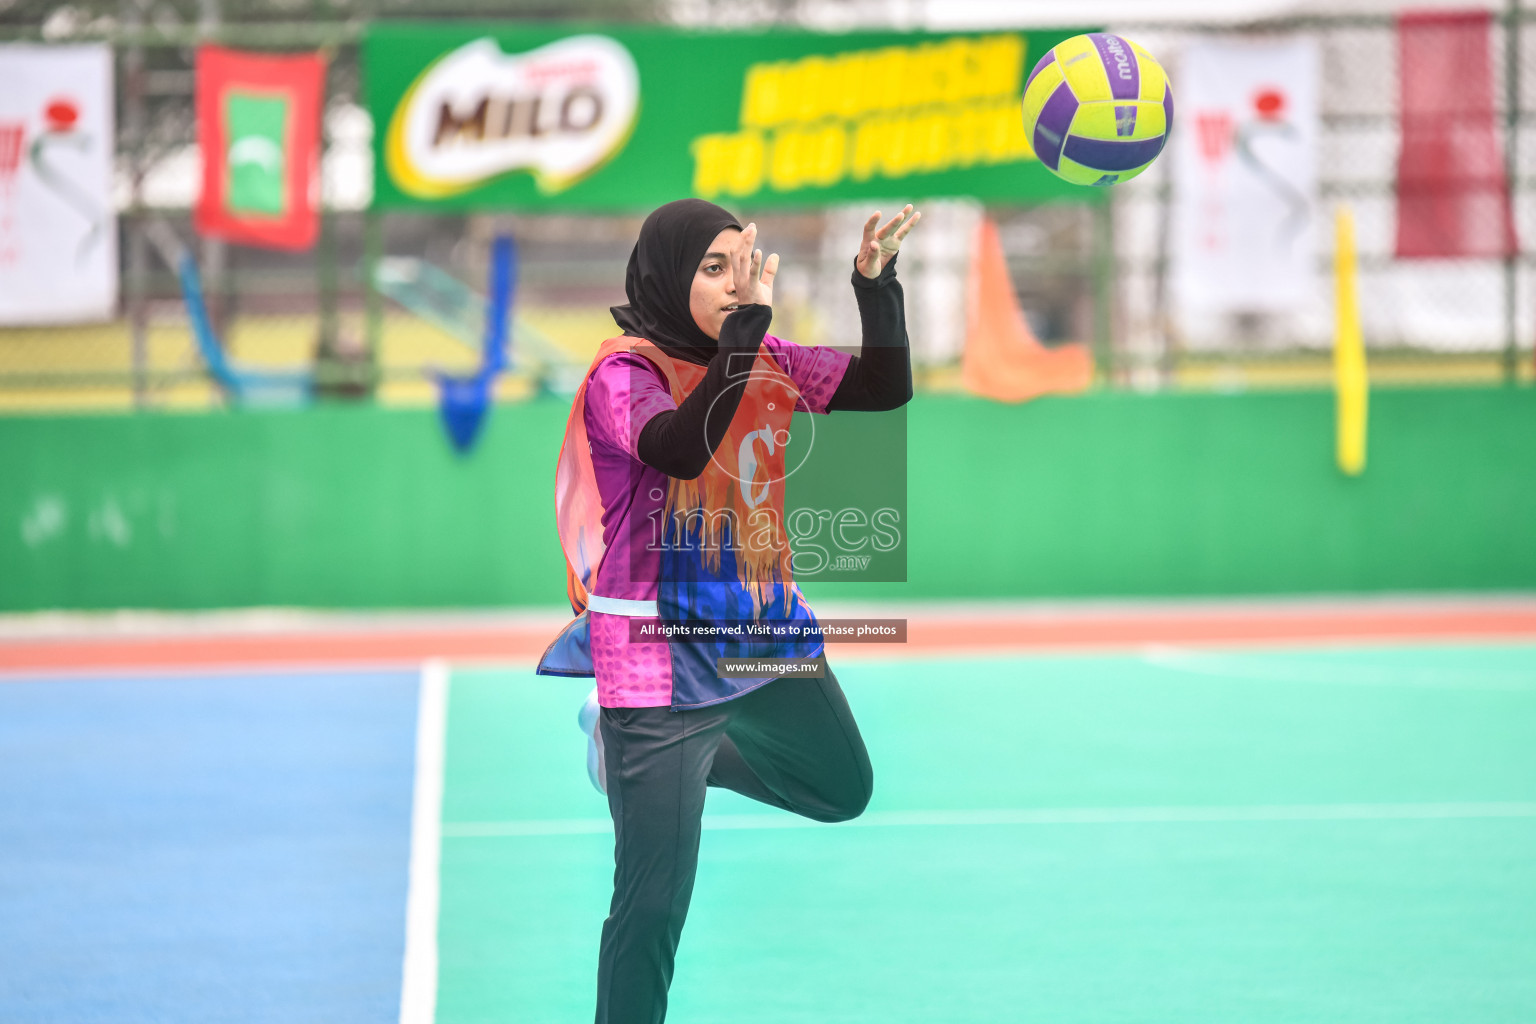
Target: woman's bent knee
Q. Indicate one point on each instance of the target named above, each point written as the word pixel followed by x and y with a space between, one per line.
pixel 842 806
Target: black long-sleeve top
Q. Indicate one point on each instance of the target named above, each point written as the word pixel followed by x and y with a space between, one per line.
pixel 679 442
pixel 880 376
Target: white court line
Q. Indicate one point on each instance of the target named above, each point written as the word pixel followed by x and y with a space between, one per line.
pixel 1269 669
pixel 222 671
pixel 418 989
pixel 1041 816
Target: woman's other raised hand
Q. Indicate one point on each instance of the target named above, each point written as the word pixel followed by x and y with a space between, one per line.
pixel 880 245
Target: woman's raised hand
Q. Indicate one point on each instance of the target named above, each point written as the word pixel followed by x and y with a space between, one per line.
pixel 751 275
pixel 879 246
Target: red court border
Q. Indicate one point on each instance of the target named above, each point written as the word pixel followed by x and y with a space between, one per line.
pixel 929 632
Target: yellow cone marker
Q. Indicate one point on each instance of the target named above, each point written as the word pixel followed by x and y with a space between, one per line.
pixel 1351 389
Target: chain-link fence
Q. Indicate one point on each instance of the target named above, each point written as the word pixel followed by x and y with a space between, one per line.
pixel 1099 274
pixel 1424 320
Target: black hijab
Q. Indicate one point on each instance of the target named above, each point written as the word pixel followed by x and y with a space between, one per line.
pixel 673 239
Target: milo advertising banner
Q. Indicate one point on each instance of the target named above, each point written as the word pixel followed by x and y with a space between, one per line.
pixel 560 117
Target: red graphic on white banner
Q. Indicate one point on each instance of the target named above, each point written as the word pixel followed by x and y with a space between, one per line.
pixel 1245 183
pixel 1269 104
pixel 61 116
pixel 58 235
pixel 1215 128
pixel 1215 133
pixel 13 136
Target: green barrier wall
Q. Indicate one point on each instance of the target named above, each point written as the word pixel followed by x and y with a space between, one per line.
pixel 1100 495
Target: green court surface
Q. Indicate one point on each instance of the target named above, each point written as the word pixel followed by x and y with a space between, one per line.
pixel 1340 835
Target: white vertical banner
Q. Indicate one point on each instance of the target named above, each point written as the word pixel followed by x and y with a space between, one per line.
pixel 58 228
pixel 1246 209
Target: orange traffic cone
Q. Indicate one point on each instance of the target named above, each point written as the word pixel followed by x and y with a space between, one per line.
pixel 1003 359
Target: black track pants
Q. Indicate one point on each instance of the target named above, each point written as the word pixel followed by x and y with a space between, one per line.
pixel 792 743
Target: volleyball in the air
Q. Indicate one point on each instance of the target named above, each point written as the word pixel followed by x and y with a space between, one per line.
pixel 1097 109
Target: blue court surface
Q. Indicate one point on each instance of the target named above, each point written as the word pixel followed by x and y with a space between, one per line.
pixel 200 849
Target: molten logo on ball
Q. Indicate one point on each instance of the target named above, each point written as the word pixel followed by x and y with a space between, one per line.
pixel 1097 109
